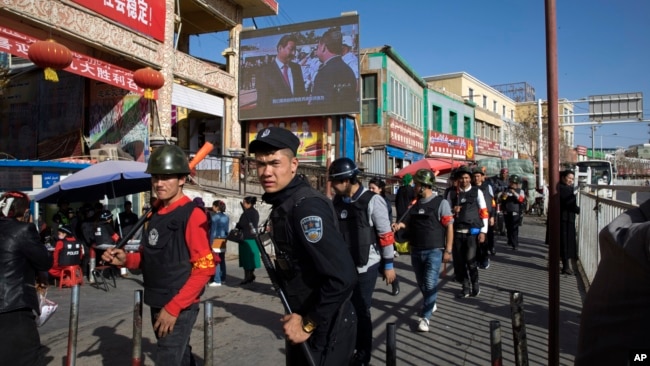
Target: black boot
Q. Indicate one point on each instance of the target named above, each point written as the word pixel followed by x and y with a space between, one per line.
pixel 248 277
pixel 395 287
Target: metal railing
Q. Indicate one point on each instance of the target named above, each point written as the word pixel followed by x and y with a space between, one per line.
pixel 596 212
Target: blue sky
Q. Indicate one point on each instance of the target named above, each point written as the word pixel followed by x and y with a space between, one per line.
pixel 603 45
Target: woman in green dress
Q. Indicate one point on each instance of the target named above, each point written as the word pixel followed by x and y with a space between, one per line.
pixel 249 254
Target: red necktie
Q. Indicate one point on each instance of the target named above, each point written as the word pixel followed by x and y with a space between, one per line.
pixel 285 74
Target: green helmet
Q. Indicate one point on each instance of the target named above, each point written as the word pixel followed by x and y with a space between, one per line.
pixel 168 159
pixel 514 179
pixel 425 177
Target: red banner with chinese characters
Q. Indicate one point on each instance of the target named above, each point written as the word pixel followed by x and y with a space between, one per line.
pixel 405 136
pixel 452 146
pixel 144 16
pixel 507 154
pixel 487 147
pixel 17 44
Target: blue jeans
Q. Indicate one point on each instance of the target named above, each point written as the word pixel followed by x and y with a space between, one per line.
pixel 426 265
pixel 362 300
pixel 174 349
pixel 220 274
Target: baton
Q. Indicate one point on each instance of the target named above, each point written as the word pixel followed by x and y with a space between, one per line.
pixel 262 239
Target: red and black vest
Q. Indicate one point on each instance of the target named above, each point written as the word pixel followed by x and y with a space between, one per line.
pixel 70 255
pixel 165 258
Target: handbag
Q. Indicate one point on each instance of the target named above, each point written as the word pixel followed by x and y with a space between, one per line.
pixel 235 235
pixel 47 306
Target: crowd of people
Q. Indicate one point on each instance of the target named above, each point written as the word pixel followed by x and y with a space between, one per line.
pixel 330 253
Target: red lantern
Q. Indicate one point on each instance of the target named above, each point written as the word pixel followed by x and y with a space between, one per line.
pixel 51 56
pixel 149 80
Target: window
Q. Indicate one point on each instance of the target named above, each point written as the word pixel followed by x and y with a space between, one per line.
pixel 467 127
pixel 512 114
pixel 503 114
pixel 484 102
pixel 494 106
pixel 405 104
pixel 436 118
pixel 369 99
pixel 471 94
pixel 453 121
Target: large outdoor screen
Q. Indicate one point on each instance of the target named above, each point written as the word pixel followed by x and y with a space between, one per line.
pixel 304 69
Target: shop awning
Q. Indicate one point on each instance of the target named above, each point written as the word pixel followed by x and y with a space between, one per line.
pixel 195 100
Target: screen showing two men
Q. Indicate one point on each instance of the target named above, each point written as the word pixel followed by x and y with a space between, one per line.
pixel 304 69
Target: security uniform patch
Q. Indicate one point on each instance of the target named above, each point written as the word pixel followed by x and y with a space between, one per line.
pixel 153 237
pixel 312 228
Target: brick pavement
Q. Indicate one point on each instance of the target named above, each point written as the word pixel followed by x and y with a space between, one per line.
pixel 247 328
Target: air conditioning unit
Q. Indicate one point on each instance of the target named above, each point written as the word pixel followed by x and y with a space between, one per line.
pixel 105 153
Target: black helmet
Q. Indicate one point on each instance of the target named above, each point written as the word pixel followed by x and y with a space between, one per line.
pixel 342 168
pixel 168 159
pixel 463 169
pixel 66 229
pixel 514 179
pixel 425 177
pixel 105 215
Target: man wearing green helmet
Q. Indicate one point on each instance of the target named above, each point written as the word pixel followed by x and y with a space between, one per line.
pixel 177 260
pixel 428 225
pixel 512 201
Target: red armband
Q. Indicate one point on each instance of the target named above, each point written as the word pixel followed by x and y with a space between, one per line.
pixel 386 239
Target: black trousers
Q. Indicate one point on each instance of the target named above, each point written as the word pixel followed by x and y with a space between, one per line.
pixel 20 343
pixel 329 347
pixel 512 229
pixel 464 252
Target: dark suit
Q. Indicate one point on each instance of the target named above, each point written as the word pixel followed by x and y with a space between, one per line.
pixel 568 211
pixel 270 85
pixel 336 85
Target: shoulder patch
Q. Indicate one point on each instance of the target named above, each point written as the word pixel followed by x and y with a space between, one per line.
pixel 312 228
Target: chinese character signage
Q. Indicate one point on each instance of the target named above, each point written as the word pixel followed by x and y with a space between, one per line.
pixel 144 16
pixel 487 147
pixel 17 44
pixel 445 145
pixel 405 136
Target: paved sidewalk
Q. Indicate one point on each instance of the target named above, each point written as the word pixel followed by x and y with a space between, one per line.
pixel 247 328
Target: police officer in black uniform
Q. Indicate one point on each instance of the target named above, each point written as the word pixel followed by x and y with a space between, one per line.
pixel 314 263
pixel 512 206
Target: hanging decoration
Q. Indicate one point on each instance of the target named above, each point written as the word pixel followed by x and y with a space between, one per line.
pixel 149 80
pixel 51 56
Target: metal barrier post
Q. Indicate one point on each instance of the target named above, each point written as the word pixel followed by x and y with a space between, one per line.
pixel 136 357
pixel 391 345
pixel 519 328
pixel 208 324
pixel 92 264
pixel 495 343
pixel 72 328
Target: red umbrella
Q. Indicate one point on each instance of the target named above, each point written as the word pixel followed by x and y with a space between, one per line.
pixel 436 165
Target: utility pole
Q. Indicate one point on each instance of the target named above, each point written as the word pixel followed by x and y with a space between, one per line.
pixel 540 148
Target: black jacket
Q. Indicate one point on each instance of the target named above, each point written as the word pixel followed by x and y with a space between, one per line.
pixel 22 255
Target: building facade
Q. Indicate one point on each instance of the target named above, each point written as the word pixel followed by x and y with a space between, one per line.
pixel 109 41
